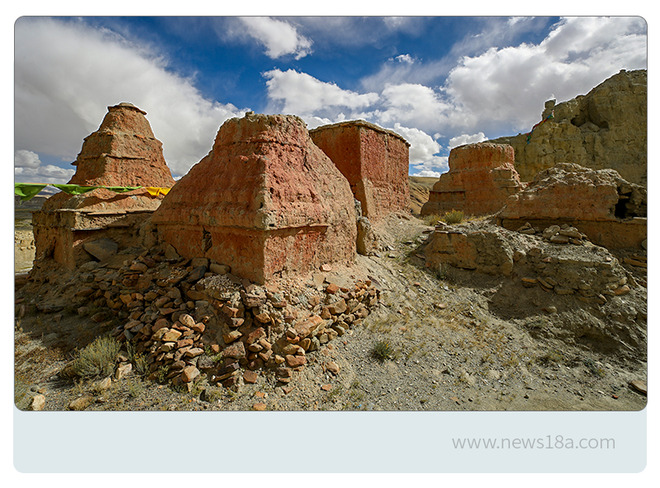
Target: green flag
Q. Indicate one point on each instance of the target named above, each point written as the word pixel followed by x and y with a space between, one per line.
pixel 27 190
pixel 75 189
pixel 121 189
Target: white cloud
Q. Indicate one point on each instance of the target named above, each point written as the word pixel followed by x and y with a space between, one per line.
pixel 413 104
pixel 28 168
pixel 280 38
pixel 428 173
pixel 43 174
pixel 301 94
pixel 509 85
pixel 434 166
pixel 499 88
pixel 67 73
pixel 466 139
pixel 26 159
pixel 422 146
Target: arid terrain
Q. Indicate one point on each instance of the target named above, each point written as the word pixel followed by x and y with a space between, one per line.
pixel 295 269
pixel 448 346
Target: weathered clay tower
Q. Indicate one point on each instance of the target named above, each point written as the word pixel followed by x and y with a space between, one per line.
pixel 373 159
pixel 123 152
pixel 480 179
pixel 265 201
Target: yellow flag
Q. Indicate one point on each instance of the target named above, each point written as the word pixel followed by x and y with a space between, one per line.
pixel 154 191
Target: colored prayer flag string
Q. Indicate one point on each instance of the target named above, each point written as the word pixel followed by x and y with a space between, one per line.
pixel 26 191
pixel 529 134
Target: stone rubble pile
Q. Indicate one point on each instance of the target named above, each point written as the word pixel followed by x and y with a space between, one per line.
pixel 564 234
pixel 592 286
pixel 191 317
pixel 557 259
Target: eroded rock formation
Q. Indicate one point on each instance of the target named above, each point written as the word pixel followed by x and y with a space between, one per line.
pixel 374 160
pixel 122 152
pixel 480 179
pixel 600 203
pixel 606 128
pixel 265 201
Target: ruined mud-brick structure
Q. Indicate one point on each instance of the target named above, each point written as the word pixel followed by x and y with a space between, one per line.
pixel 373 159
pixel 265 201
pixel 480 179
pixel 599 203
pixel 606 128
pixel 122 152
pixel 557 270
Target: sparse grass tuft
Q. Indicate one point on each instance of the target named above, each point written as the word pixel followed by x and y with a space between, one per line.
pixel 135 388
pixel 382 351
pixel 96 359
pixel 453 217
pixel 161 373
pixel 431 219
pixel 139 361
pixel 594 368
pixel 551 357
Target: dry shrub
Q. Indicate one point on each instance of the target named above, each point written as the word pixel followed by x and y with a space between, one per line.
pixel 96 359
pixel 453 217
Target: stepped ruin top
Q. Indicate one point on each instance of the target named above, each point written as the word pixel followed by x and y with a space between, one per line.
pixel 480 155
pixel 123 152
pixel 360 123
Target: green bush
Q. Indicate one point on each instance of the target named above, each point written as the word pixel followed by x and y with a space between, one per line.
pixel 96 359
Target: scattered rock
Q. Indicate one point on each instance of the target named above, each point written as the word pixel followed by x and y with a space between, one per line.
pixel 81 403
pixel 38 402
pixel 189 374
pixel 331 367
pixel 639 387
pixel 250 377
pixel 122 370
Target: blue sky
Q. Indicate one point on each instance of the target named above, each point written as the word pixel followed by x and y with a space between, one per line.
pixel 438 81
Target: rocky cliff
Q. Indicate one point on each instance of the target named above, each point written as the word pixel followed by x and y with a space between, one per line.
pixel 606 128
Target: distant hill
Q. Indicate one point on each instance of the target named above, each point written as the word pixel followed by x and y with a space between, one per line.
pixel 419 191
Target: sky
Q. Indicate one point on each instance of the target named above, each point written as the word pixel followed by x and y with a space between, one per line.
pixel 438 81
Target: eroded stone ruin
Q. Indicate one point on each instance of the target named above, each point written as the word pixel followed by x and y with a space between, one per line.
pixel 230 273
pixel 557 270
pixel 599 203
pixel 375 162
pixel 571 234
pixel 480 179
pixel 122 152
pixel 265 201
